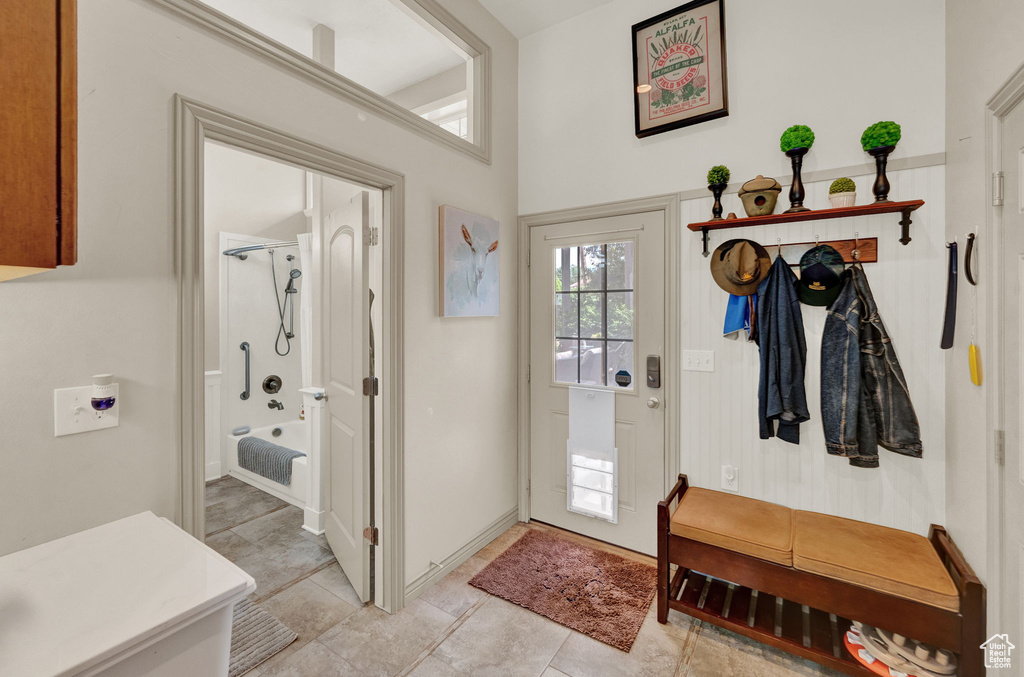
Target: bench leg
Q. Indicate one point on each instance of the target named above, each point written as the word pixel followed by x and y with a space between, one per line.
pixel 972 632
pixel 664 577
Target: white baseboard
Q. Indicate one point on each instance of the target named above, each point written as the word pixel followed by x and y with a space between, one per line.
pixel 436 573
pixel 313 520
pixel 213 471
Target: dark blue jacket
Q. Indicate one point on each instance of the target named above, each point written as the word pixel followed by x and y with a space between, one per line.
pixel 780 324
pixel 865 402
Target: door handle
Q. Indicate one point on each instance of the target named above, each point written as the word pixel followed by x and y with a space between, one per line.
pixel 245 349
pixel 653 403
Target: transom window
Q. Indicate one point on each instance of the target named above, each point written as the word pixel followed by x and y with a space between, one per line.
pixel 594 305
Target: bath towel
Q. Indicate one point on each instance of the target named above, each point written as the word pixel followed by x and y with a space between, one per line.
pixel 267 459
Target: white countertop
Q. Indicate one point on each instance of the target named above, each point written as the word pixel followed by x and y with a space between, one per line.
pixel 75 602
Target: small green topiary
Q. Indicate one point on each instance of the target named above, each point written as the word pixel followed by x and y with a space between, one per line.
pixel 797 136
pixel 843 185
pixel 880 134
pixel 718 174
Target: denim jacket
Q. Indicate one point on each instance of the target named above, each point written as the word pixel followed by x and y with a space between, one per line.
pixel 865 402
pixel 780 337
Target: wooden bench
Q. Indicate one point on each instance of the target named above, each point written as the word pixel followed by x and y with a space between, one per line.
pixel 778 561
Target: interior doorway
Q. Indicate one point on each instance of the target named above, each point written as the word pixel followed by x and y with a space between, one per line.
pixel 288 277
pixel 1008 377
pixel 290 268
pixel 600 285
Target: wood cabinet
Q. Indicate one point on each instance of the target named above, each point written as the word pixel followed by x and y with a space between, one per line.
pixel 38 136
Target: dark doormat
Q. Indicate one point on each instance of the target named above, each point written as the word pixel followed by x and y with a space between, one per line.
pixel 600 594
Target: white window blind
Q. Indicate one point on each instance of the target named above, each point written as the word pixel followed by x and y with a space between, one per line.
pixel 592 461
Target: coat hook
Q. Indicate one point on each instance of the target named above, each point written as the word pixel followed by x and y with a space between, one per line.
pixel 856 245
pixel 817 240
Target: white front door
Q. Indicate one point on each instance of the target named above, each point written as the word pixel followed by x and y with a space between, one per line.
pixel 346 364
pixel 1011 282
pixel 597 302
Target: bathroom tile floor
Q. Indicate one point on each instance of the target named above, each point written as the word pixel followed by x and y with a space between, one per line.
pixel 452 629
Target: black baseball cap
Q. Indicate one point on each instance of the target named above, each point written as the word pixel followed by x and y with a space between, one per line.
pixel 820 270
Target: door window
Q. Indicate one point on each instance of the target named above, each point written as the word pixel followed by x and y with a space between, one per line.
pixel 594 314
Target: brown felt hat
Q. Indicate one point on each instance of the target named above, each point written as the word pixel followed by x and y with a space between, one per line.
pixel 738 266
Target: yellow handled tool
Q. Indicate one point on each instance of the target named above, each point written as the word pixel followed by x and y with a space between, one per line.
pixel 974 355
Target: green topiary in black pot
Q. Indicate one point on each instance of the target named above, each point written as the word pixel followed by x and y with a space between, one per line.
pixel 879 140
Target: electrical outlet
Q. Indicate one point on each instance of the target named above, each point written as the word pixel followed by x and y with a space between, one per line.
pixel 698 360
pixel 730 478
pixel 73 412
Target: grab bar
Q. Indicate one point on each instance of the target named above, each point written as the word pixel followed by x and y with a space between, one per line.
pixel 245 349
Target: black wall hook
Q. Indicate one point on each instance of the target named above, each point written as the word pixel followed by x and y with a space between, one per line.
pixel 968 260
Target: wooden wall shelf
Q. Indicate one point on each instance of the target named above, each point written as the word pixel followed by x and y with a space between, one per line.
pixel 903 208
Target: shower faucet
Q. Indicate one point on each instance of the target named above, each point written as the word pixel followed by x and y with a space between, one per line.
pixel 274 404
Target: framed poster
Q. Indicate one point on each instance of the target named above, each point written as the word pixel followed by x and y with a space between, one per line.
pixel 679 68
pixel 468 264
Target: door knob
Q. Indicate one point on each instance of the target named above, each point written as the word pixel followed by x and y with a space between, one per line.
pixel 653 403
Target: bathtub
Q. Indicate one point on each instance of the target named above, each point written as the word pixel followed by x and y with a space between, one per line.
pixel 293 435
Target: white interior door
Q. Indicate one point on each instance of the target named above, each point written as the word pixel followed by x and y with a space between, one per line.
pixel 597 303
pixel 346 363
pixel 1012 272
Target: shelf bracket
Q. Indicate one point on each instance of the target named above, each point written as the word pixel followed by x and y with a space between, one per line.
pixel 704 237
pixel 905 222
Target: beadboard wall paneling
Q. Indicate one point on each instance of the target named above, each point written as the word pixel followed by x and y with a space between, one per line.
pixel 719 409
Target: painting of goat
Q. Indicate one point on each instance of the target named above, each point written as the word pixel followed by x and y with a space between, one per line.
pixel 468 264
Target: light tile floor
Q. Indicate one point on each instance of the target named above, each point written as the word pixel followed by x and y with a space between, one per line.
pixel 452 629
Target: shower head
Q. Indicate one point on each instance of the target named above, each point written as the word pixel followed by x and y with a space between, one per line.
pixel 295 273
pixel 292 276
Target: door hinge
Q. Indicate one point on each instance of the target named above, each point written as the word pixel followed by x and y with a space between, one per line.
pixel 371 386
pixel 528 487
pixel 527 258
pixel 527 373
pixel 997 189
pixel 371 236
pixel 1000 445
pixel 370 534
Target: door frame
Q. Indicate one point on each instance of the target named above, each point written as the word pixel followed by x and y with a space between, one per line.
pixel 196 123
pixel 669 205
pixel 1006 99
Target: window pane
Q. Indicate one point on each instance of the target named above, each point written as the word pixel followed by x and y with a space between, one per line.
pixel 567 361
pixel 581 461
pixel 592 501
pixel 620 357
pixel 592 315
pixel 593 267
pixel 592 363
pixel 620 265
pixel 620 315
pixel 566 317
pixel 566 268
pixel 592 479
pixel 378 44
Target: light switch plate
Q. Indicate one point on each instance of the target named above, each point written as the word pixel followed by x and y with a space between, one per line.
pixel 73 412
pixel 730 478
pixel 698 360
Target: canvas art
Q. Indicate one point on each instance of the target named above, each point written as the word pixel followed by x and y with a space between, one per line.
pixel 468 247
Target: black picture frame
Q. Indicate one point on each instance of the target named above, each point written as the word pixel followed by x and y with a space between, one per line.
pixel 642 123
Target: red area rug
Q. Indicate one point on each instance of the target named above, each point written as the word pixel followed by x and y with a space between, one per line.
pixel 597 593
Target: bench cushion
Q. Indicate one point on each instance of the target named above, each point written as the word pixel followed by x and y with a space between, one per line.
pixel 888 560
pixel 744 525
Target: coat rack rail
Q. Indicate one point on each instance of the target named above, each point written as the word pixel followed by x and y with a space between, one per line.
pixel 867 248
pixel 903 208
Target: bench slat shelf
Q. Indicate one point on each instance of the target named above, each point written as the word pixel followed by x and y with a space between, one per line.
pixel 822 647
pixel 904 208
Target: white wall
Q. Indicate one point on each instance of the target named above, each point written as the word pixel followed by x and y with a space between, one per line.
pixel 804 63
pixel 833 66
pixel 984 48
pixel 719 409
pixel 116 310
pixel 244 194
